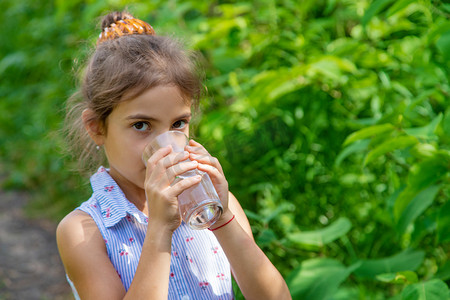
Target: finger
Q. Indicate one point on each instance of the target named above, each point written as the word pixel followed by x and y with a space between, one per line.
pixel 173 159
pixel 199 153
pixel 178 169
pixel 218 180
pixel 183 185
pixel 207 160
pixel 216 175
pixel 196 148
pixel 157 155
pixel 157 165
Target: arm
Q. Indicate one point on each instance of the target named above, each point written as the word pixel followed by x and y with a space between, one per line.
pixel 254 273
pixel 151 280
pixel 86 261
pixel 256 276
pixel 83 251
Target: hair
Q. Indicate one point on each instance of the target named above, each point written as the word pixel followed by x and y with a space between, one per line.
pixel 121 69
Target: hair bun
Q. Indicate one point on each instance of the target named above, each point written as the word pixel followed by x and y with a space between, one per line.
pixel 117 24
pixel 114 17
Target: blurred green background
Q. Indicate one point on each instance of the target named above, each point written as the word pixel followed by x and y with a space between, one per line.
pixel 331 119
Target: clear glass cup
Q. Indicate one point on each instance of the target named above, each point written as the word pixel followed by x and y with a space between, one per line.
pixel 200 206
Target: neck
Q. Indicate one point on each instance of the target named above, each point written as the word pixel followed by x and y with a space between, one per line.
pixel 133 193
pixel 139 200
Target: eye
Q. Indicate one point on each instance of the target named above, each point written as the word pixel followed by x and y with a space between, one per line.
pixel 180 124
pixel 141 126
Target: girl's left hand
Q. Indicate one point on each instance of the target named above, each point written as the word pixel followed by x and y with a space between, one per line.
pixel 212 167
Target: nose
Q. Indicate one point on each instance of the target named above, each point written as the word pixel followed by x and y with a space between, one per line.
pixel 160 132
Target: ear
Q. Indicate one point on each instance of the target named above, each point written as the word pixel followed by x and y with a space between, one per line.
pixel 93 126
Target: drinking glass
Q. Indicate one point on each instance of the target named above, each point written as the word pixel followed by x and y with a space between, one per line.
pixel 200 206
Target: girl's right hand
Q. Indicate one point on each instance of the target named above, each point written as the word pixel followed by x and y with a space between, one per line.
pixel 162 169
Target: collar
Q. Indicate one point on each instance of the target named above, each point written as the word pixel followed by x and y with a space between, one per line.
pixel 112 201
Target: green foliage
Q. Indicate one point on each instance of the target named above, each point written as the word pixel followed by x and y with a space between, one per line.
pixel 405 261
pixel 322 236
pixel 331 119
pixel 317 278
pixel 430 290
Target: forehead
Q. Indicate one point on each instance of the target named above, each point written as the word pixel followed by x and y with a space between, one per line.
pixel 159 102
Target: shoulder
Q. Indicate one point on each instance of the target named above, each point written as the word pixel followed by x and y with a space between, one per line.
pixel 76 228
pixel 84 256
pixel 74 220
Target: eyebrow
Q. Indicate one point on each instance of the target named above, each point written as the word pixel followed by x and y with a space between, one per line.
pixel 148 118
pixel 139 117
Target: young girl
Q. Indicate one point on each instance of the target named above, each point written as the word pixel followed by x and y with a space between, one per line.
pixel 127 241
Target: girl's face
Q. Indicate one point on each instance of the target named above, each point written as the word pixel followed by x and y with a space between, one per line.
pixel 134 123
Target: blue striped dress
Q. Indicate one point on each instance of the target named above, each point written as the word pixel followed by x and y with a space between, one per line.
pixel 199 268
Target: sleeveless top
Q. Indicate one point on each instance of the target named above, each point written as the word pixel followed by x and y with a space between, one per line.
pixel 199 268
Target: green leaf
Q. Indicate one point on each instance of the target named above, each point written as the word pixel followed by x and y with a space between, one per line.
pixel 346 293
pixel 430 290
pixel 331 67
pixel 443 223
pixel 266 237
pixel 15 59
pixel 317 279
pixel 417 206
pixel 446 7
pixel 423 151
pixel 323 236
pixel 389 146
pixel 408 260
pixel 427 131
pixel 402 89
pixel 278 211
pixel 430 170
pixel 357 146
pixel 375 8
pixel 286 81
pixel 403 277
pixel 443 272
pixel 368 132
pixel 274 84
pixel 443 44
pixel 408 277
pixel 398 6
pixel 446 123
pixel 252 215
pixel 420 177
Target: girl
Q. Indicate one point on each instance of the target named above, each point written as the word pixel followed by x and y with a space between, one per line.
pixel 127 241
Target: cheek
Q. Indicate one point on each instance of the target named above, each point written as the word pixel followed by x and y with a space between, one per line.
pixel 121 149
pixel 138 154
